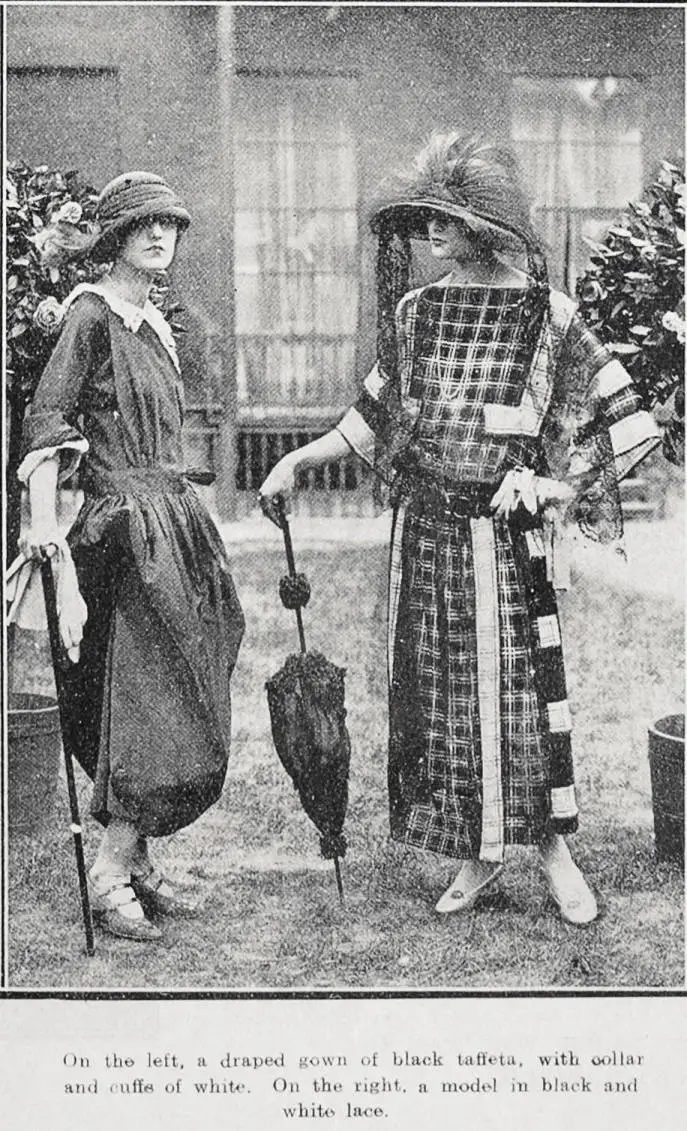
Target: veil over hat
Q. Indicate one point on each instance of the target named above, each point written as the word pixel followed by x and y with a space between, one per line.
pixel 129 198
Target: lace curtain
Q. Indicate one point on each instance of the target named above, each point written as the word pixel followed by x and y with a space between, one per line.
pixel 296 247
pixel 579 145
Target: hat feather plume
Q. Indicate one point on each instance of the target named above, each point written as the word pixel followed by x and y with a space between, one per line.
pixel 469 171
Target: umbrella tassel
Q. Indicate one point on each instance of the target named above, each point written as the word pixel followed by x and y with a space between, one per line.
pixel 57 660
pixel 291 562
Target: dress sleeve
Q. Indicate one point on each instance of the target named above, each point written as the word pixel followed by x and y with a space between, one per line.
pixel 361 423
pixel 51 423
pixel 378 426
pixel 601 430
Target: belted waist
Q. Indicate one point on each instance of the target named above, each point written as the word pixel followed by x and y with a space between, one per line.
pixel 472 500
pixel 437 496
pixel 142 478
pixel 421 483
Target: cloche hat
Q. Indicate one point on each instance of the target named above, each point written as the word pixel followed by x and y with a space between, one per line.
pixel 131 197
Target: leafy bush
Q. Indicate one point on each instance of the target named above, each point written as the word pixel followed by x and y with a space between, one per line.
pixel 632 296
pixel 47 212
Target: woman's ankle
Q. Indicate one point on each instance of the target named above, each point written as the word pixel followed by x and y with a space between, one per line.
pixel 104 877
pixel 141 864
pixel 116 851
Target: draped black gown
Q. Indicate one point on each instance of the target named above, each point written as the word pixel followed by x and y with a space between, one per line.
pixel 148 704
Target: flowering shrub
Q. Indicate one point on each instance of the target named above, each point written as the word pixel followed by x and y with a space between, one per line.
pixel 43 207
pixel 632 296
pixel 47 212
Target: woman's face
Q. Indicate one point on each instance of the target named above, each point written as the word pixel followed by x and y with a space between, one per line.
pixel 150 244
pixel 452 239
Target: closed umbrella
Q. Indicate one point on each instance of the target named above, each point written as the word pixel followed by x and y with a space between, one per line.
pixel 308 718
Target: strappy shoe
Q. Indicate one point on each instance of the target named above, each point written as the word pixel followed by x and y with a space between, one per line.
pixel 106 906
pixel 465 890
pixel 148 887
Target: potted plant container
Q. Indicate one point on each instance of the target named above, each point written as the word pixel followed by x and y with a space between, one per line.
pixel 33 761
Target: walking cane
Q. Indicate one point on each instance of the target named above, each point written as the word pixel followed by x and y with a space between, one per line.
pixel 59 663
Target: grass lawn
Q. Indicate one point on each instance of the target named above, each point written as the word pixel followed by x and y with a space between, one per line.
pixel 271 916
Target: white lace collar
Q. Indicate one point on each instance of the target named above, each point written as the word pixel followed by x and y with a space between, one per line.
pixel 131 315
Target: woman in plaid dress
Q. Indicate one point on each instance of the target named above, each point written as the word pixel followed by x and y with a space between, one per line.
pixel 495 415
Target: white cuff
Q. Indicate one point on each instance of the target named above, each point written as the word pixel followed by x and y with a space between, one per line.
pixel 632 439
pixel 374 382
pixel 358 435
pixel 610 379
pixel 67 467
pixel 513 420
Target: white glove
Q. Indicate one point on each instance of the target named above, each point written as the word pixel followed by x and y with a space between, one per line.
pixel 521 485
pixel 24 593
pixel 71 607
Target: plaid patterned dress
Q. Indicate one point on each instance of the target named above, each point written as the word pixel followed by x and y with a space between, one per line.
pixel 479 746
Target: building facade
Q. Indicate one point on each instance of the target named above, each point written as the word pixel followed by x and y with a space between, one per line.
pixel 277 125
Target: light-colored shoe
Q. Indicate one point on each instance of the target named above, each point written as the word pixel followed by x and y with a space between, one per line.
pixel 568 888
pixel 465 890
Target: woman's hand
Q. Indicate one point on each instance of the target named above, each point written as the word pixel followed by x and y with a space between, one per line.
pixel 517 488
pixel 280 482
pixel 520 486
pixel 278 488
pixel 41 538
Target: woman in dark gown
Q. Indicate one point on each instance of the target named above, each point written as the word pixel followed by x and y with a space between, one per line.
pixel 148 702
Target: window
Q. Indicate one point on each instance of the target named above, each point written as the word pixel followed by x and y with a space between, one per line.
pixel 296 249
pixel 579 145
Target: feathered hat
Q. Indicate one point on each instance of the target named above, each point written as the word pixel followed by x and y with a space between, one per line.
pixel 464 177
pixel 469 179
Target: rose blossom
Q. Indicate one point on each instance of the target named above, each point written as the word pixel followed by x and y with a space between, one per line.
pixel 58 241
pixel 49 314
pixel 49 244
pixel 70 213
